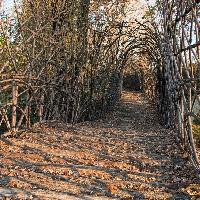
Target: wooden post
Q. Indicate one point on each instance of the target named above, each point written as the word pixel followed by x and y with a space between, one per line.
pixel 4 115
pixel 28 110
pixel 41 108
pixel 14 106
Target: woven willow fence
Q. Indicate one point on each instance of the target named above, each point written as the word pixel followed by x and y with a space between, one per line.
pixel 177 66
pixel 171 44
pixel 57 65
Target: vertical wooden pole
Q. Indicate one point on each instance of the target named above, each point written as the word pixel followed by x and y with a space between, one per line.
pixel 4 114
pixel 14 105
pixel 41 108
pixel 28 123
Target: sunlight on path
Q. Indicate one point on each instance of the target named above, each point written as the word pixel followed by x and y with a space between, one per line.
pixel 128 155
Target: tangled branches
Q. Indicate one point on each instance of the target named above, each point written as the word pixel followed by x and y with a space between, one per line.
pixel 58 64
pixel 173 51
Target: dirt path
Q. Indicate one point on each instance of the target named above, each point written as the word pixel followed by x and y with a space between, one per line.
pixel 128 155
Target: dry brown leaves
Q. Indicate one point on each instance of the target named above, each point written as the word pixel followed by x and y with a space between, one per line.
pixel 126 156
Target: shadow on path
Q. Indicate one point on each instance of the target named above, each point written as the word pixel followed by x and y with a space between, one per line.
pixel 128 155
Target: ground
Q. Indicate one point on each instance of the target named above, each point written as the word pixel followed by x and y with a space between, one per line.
pixel 127 155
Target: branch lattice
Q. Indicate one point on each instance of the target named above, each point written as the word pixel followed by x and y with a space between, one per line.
pixel 174 51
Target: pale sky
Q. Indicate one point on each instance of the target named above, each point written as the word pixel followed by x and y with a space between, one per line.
pixel 8 4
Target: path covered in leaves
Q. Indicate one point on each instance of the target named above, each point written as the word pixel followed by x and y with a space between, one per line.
pixel 128 155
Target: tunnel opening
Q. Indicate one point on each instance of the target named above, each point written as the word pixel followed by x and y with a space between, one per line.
pixel 133 81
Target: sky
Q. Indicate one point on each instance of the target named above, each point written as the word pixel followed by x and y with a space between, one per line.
pixel 9 3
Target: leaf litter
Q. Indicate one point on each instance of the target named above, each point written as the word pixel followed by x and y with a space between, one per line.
pixel 127 155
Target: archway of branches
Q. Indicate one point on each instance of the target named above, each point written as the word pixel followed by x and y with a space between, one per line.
pixel 167 58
